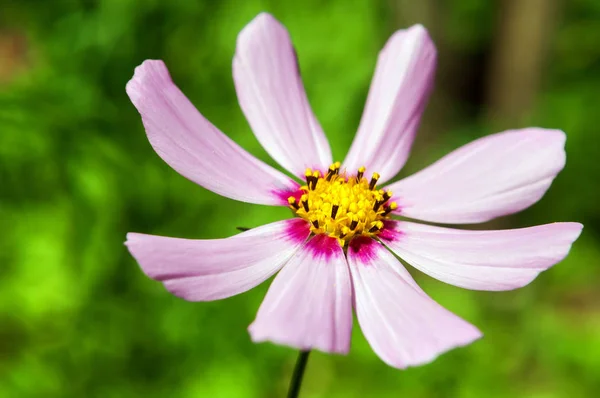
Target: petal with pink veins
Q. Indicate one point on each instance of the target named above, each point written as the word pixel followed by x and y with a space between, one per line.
pixel 205 270
pixel 271 94
pixel 195 148
pixel 481 260
pixel 309 304
pixel 403 325
pixel 398 95
pixel 490 177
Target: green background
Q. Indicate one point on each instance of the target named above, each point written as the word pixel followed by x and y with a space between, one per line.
pixel 79 319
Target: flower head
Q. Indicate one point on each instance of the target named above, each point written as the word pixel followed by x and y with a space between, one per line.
pixel 342 207
pixel 337 252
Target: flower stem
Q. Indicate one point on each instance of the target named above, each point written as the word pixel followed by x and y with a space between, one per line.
pixel 296 381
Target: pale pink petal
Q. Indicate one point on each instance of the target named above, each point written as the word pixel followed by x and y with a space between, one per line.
pixel 309 304
pixel 195 148
pixel 403 325
pixel 490 177
pixel 399 91
pixel 481 260
pixel 204 270
pixel 271 94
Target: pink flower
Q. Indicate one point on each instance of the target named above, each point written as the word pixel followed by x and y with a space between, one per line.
pixel 338 252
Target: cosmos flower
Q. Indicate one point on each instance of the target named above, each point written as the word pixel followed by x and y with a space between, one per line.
pixel 338 252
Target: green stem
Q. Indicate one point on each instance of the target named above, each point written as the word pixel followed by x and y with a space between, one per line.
pixel 296 381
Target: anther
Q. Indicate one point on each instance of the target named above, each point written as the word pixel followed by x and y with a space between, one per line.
pixel 337 166
pixel 377 204
pixel 315 223
pixel 331 172
pixel 293 203
pixel 374 181
pixel 304 202
pixel 361 172
pixel 391 207
pixel 308 174
pixel 353 224
pixel 310 179
pixel 345 232
pixel 315 179
pixel 387 194
pixel 376 227
pixel 334 210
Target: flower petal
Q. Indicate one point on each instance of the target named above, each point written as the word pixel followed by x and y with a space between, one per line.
pixel 482 260
pixel 490 177
pixel 403 325
pixel 309 304
pixel 399 91
pixel 195 148
pixel 271 94
pixel 204 270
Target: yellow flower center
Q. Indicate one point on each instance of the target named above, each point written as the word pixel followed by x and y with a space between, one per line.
pixel 341 206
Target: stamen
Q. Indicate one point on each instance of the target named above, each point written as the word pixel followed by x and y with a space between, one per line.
pixel 310 179
pixel 334 210
pixel 374 181
pixel 361 172
pixel 376 226
pixel 353 224
pixel 308 174
pixel 293 203
pixel 315 179
pixel 392 206
pixel 331 172
pixel 388 194
pixel 304 202
pixel 316 223
pixel 377 204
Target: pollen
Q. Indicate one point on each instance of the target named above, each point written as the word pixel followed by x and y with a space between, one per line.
pixel 342 206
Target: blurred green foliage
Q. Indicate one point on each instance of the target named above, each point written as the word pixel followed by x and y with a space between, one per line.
pixel 78 318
